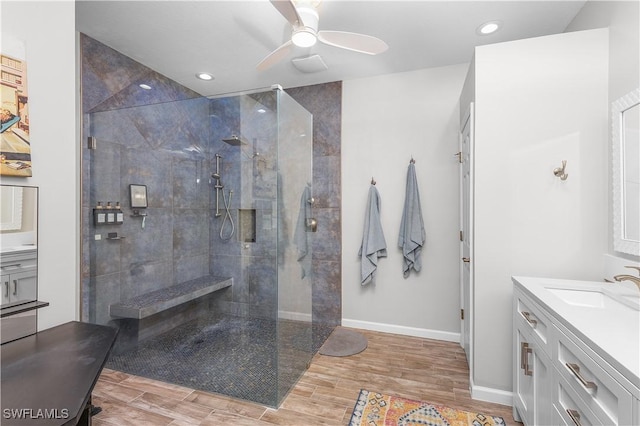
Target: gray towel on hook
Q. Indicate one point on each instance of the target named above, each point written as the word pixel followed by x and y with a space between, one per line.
pixel 301 236
pixel 373 244
pixel 412 235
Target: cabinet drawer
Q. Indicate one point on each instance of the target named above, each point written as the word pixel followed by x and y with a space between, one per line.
pixel 532 317
pixel 601 393
pixel 569 408
pixel 18 263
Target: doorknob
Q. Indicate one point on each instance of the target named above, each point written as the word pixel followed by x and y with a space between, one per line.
pixel 466 259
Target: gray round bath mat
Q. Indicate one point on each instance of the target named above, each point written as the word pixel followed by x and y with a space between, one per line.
pixel 343 342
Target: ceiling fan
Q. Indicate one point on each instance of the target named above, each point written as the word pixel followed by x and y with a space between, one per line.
pixel 304 21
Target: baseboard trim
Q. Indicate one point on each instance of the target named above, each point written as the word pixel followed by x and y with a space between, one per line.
pixel 496 396
pixel 294 316
pixel 406 331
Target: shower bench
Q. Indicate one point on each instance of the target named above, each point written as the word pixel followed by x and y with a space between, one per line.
pixel 150 314
pixel 156 301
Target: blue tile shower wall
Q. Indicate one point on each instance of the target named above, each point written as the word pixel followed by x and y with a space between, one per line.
pixel 147 137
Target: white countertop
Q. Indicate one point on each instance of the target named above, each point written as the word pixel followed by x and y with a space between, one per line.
pixel 611 329
pixel 18 249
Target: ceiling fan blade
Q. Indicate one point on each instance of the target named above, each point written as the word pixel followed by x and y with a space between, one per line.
pixel 275 56
pixel 289 11
pixel 353 41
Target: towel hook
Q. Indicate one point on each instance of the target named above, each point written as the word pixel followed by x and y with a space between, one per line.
pixel 559 171
pixel 412 161
pixel 373 181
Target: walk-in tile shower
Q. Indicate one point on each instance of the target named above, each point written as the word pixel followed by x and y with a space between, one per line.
pixel 209 281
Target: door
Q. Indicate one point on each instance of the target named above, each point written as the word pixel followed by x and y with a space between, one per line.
pixel 466 235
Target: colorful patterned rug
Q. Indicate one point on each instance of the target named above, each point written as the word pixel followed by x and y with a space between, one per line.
pixel 376 409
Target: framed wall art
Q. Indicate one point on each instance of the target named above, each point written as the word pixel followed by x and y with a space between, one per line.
pixel 15 146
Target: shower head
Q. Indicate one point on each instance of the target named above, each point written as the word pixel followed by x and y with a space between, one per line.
pixel 234 141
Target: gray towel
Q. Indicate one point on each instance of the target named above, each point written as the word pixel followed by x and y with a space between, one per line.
pixel 412 235
pixel 301 236
pixel 373 244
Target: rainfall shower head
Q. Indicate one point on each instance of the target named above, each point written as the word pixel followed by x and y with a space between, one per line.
pixel 234 140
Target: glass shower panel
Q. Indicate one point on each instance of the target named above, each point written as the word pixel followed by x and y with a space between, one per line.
pixel 165 147
pixel 296 229
pixel 228 183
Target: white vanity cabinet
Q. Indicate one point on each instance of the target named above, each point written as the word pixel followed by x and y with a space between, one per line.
pixel 19 292
pixel 532 377
pixel 19 276
pixel 563 374
pixel 583 389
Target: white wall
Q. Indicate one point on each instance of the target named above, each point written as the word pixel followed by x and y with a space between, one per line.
pixel 623 20
pixel 538 101
pixel 385 121
pixel 48 30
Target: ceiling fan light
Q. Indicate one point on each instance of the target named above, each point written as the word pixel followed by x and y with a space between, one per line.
pixel 304 37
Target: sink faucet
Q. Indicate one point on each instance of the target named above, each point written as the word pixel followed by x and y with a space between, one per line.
pixel 625 277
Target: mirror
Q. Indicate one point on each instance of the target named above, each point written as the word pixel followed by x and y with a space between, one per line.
pixel 18 216
pixel 11 208
pixel 625 119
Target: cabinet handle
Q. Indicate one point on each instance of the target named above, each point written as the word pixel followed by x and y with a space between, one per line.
pixel 575 369
pixel 6 289
pixel 575 416
pixel 527 351
pixel 527 316
pixel 15 287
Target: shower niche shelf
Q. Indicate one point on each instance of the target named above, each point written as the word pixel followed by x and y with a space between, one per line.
pixel 247 225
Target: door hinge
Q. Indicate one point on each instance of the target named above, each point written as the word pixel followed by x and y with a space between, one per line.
pixel 92 143
pixel 459 155
pixel 461 236
pixel 461 314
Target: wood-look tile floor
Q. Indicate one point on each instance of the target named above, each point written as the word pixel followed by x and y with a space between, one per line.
pixel 410 367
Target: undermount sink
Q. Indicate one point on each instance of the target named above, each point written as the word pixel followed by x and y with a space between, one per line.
pixel 575 297
pixel 595 298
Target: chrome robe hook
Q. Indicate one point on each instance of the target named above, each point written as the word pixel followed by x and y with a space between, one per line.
pixel 559 171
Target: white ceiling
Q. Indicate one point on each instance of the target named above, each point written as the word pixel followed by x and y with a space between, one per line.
pixel 229 38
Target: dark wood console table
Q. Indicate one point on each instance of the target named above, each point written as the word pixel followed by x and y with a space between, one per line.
pixel 47 378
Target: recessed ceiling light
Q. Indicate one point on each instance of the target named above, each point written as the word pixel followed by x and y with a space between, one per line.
pixel 488 28
pixel 145 86
pixel 261 110
pixel 204 76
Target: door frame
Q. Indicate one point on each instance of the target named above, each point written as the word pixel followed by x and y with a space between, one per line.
pixel 467 126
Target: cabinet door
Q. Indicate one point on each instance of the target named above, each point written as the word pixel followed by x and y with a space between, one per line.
pixel 23 286
pixel 523 381
pixel 532 381
pixel 5 289
pixel 542 375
